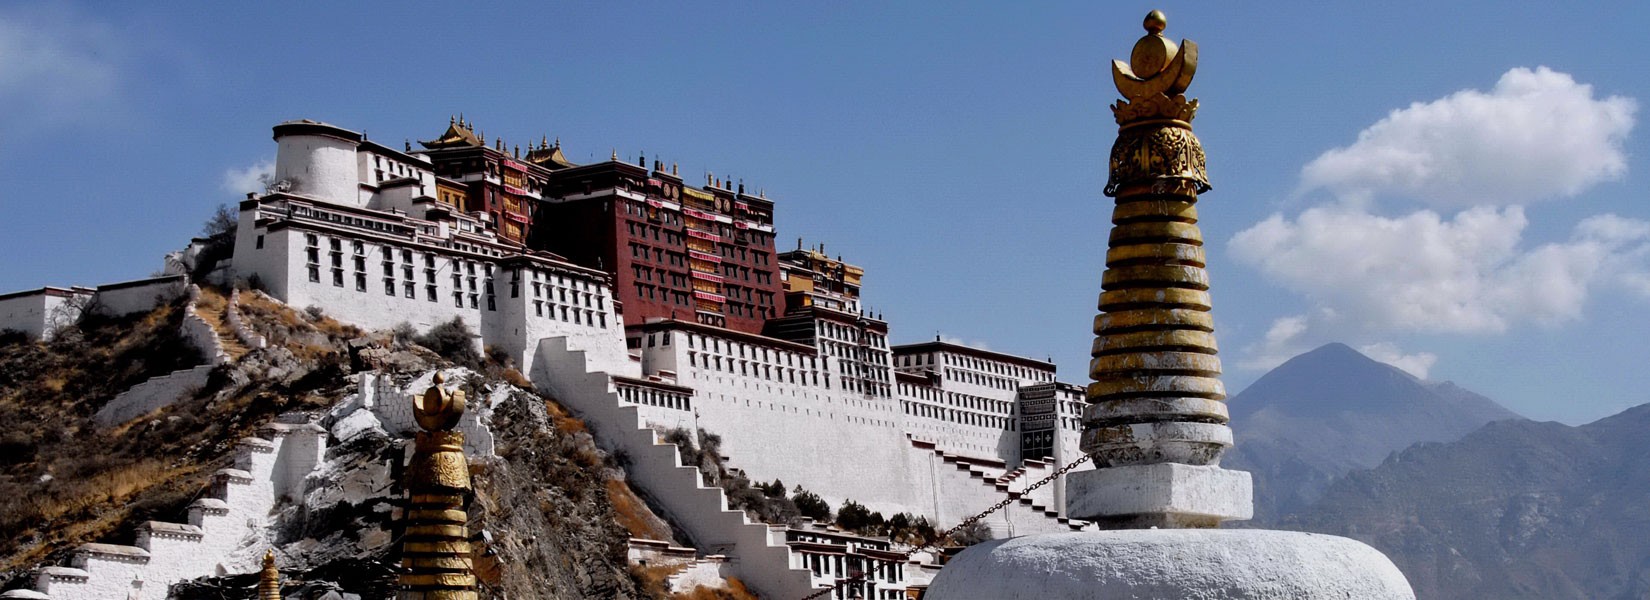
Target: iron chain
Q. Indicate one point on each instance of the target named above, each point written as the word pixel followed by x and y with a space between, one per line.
pixel 965 523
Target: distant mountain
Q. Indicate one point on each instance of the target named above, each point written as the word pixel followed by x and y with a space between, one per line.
pixel 1332 410
pixel 1517 509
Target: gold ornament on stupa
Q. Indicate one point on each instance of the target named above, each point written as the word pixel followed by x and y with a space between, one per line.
pixel 269 580
pixel 1156 396
pixel 435 550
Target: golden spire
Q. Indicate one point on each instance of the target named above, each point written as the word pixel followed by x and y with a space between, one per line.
pixel 1157 395
pixel 435 551
pixel 269 580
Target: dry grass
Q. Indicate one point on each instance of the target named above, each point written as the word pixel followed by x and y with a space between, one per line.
pixel 633 514
pixel 653 580
pixel 564 421
pixel 64 481
pixel 735 591
pixel 515 378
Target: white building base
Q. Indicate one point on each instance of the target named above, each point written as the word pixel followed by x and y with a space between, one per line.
pixel 1206 564
pixel 1160 495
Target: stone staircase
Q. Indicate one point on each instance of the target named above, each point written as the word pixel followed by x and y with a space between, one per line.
pixel 214 308
pixel 655 467
pixel 1007 483
pixel 223 525
pixel 204 328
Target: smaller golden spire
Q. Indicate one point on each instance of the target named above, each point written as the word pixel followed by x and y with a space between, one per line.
pixel 269 580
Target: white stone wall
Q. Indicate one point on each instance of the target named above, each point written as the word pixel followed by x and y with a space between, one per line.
pixel 152 395
pixel 247 337
pixel 366 281
pixel 374 167
pixel 120 299
pixel 111 577
pixel 391 405
pixel 260 255
pixel 25 313
pixel 39 313
pixel 319 166
pixel 227 524
pixel 200 334
pixel 772 428
pixel 710 572
pixel 655 468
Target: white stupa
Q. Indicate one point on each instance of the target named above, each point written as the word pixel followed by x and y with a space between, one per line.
pixel 1156 421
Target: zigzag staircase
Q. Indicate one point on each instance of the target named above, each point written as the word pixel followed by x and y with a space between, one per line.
pixel 655 467
pixel 237 505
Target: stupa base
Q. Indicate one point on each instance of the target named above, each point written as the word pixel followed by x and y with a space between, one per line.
pixel 1179 564
pixel 1167 495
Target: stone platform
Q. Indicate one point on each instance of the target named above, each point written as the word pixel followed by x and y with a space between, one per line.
pixel 1180 564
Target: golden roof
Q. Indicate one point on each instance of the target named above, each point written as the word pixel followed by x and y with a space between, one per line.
pixel 550 156
pixel 458 135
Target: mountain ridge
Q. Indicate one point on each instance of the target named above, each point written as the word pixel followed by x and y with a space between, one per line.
pixel 1333 410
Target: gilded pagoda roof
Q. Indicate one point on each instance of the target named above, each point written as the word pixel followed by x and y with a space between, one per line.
pixel 549 156
pixel 458 135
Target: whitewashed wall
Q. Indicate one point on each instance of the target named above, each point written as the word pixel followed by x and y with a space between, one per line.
pixel 118 299
pixel 319 166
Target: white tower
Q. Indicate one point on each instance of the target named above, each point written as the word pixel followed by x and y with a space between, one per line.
pixel 317 160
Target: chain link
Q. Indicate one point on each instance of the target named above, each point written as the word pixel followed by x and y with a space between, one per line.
pixel 1014 496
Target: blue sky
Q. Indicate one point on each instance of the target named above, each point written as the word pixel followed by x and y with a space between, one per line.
pixel 1453 187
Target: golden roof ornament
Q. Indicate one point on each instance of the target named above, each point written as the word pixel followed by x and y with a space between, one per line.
pixel 435 550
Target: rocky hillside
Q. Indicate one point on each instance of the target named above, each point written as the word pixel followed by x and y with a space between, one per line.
pixel 1332 410
pixel 1517 509
pixel 551 511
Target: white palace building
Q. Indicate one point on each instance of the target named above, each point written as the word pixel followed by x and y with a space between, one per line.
pixel 378 237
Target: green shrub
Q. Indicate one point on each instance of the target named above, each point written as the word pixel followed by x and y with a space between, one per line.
pixel 453 341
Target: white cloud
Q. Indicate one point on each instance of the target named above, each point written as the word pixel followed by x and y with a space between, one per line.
pixel 1282 342
pixel 1538 134
pixel 248 179
pixel 962 342
pixel 1422 273
pixel 1416 364
pixel 57 65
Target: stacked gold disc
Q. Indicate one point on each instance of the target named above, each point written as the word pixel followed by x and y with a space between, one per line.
pixel 435 549
pixel 1156 395
pixel 269 580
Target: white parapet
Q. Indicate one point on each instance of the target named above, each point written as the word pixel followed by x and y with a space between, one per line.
pixel 1207 564
pixel 1180 495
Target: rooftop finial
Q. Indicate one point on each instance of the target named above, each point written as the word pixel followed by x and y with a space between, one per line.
pixel 615 155
pixel 558 141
